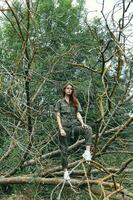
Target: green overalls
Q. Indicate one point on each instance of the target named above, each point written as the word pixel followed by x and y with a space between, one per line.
pixel 72 127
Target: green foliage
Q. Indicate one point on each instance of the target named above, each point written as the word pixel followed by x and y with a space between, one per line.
pixel 61 47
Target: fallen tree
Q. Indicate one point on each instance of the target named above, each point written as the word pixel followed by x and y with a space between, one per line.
pixel 73 182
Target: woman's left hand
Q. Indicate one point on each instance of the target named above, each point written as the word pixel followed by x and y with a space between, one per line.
pixel 83 125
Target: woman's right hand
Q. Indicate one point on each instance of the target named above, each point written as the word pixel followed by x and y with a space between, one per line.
pixel 62 132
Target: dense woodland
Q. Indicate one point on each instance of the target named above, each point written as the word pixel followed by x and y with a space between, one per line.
pixel 44 44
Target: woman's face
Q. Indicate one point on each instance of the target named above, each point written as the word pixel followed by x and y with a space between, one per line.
pixel 68 90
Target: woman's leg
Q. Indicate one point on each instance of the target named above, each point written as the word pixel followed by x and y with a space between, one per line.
pixel 87 134
pixel 64 142
pixel 64 151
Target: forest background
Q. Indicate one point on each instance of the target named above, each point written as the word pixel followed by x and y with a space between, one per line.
pixel 44 44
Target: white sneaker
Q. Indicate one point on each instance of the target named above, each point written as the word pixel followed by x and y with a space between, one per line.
pixel 87 155
pixel 66 176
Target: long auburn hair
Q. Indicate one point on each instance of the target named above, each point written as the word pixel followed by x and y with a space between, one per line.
pixel 73 98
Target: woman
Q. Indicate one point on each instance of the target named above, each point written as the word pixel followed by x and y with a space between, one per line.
pixel 70 122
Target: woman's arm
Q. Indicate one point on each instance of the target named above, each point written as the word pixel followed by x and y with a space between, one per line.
pixel 79 117
pixel 62 132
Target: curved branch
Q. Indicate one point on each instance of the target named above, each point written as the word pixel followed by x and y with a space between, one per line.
pixel 127 123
